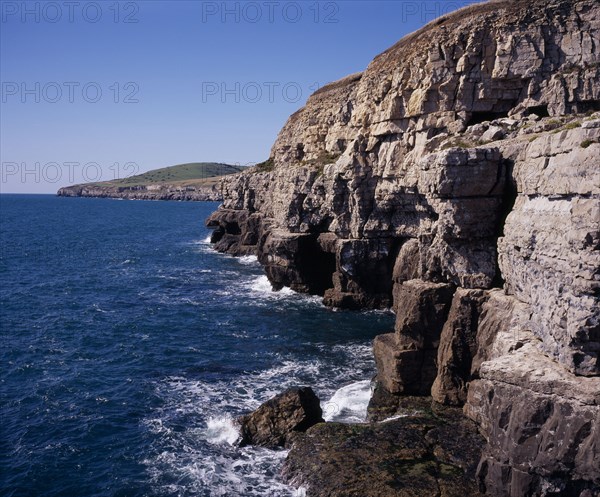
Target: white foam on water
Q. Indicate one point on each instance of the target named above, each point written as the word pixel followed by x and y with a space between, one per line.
pixel 248 260
pixel 203 246
pixel 221 430
pixel 194 434
pixel 260 289
pixel 393 418
pixel 349 403
pixel 186 300
pixel 262 286
pixel 97 308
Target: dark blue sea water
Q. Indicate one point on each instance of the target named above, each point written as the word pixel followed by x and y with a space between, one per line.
pixel 128 346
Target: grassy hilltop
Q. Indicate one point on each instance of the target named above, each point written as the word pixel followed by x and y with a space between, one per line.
pixel 182 173
pixel 192 181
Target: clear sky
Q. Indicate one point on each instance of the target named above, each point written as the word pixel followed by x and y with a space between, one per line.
pixel 98 90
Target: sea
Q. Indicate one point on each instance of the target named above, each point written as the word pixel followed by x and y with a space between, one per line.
pixel 129 347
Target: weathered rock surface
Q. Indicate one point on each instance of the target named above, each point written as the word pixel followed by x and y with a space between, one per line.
pixel 549 253
pixel 542 422
pixel 458 347
pixel 292 411
pixel 457 179
pixel 406 359
pixel 430 452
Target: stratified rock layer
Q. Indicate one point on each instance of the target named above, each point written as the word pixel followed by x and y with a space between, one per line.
pixel 457 180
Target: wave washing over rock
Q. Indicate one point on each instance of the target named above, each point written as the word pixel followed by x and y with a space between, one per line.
pixel 456 180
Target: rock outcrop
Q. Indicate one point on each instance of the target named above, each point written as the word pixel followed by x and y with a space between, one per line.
pixel 429 452
pixel 457 180
pixel 272 424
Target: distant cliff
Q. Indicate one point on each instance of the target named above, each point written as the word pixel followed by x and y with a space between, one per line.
pixel 194 181
pixel 457 180
pixel 208 192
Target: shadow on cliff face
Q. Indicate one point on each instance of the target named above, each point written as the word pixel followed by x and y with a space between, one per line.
pixel 319 268
pixel 508 201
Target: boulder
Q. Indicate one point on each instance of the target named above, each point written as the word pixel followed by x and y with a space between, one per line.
pixel 493 133
pixel 294 410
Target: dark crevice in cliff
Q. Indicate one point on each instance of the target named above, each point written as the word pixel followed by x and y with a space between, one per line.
pixel 480 117
pixel 319 268
pixel 587 106
pixel 538 110
pixel 299 155
pixel 509 198
pixel 233 229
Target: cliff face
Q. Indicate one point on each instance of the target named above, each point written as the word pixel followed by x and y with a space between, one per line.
pixel 458 180
pixel 208 192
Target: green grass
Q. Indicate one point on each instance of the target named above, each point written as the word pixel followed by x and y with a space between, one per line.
pixel 181 172
pixel 571 125
pixel 322 159
pixel 265 166
pixel 586 143
pixel 327 158
pixel 458 143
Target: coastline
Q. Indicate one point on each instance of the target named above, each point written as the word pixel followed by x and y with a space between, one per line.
pixel 210 192
pixel 455 181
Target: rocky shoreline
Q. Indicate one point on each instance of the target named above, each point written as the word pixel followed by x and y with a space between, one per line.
pixel 209 192
pixel 457 181
pixel 418 448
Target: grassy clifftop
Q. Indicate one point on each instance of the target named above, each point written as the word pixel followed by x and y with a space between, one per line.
pixel 175 174
pixel 192 181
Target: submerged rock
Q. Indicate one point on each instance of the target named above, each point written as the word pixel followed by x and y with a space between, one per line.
pixel 292 411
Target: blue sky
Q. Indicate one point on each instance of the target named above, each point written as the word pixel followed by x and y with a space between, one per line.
pixel 97 90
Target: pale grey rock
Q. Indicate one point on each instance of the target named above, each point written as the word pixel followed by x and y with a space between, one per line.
pixel 549 255
pixel 541 422
pixel 591 124
pixel 493 133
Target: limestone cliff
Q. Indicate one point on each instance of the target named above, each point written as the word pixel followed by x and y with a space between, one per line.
pixel 457 180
